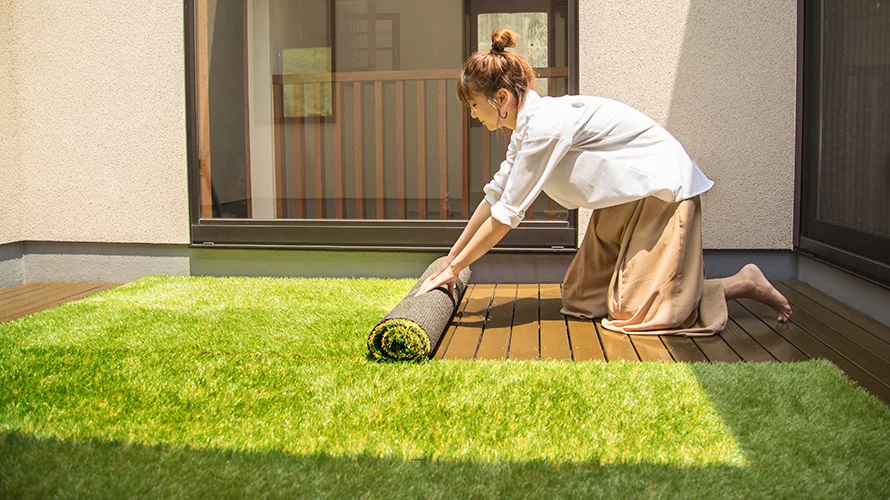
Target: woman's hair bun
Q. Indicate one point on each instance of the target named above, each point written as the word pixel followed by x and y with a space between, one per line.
pixel 503 38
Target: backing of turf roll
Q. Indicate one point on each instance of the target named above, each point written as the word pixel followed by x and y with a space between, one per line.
pixel 415 325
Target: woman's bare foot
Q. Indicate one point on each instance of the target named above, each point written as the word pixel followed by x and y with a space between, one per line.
pixel 750 283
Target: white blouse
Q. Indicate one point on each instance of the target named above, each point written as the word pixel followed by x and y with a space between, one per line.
pixel 589 152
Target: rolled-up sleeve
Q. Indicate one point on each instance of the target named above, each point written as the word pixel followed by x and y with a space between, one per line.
pixel 522 176
pixel 495 189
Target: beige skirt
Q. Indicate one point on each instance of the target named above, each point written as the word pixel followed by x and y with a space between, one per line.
pixel 640 268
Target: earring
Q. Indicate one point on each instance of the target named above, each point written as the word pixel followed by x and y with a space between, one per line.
pixel 504 116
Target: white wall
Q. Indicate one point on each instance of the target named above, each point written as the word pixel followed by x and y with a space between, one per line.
pixel 100 113
pixel 720 76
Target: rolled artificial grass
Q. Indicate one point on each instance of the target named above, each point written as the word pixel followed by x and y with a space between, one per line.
pixel 415 326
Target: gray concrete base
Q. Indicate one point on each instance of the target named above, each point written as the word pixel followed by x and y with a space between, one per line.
pixel 775 264
pixel 101 262
pixel 12 271
pixel 118 263
pixel 307 263
pixel 869 298
pixel 492 268
pixel 25 262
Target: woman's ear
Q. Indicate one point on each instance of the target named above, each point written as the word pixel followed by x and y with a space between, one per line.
pixel 503 97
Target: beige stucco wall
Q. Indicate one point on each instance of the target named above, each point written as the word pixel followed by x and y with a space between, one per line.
pixel 100 114
pixel 10 220
pixel 721 77
pixel 94 91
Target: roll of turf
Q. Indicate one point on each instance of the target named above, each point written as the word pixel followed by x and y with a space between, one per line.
pixel 415 325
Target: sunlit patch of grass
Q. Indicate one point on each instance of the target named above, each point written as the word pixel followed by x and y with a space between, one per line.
pixel 265 382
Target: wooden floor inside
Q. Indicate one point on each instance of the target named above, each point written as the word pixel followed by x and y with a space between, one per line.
pixel 29 298
pixel 509 321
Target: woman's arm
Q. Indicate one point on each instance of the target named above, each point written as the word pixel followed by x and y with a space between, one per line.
pixel 483 212
pixel 490 232
pixel 488 235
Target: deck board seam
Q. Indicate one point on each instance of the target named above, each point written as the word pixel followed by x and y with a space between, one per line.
pixel 731 348
pixel 599 338
pixel 485 318
pixel 540 346
pixel 671 354
pixel 755 340
pixel 510 327
pixel 633 345
pixel 565 321
pixel 779 333
pixel 857 317
pixel 748 334
pixel 695 343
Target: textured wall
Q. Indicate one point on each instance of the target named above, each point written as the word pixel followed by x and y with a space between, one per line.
pixel 95 97
pixel 721 77
pixel 10 213
pixel 101 116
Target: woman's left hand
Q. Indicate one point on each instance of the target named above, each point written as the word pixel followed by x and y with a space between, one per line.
pixel 446 276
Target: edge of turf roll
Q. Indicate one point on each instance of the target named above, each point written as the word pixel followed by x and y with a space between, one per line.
pixel 414 327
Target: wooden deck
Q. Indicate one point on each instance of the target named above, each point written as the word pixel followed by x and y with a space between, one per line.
pixel 29 298
pixel 509 321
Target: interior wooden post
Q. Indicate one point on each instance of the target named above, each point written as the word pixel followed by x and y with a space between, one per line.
pixel 202 56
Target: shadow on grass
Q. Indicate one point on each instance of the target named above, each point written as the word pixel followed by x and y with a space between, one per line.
pixel 117 470
pixel 780 460
pixel 802 429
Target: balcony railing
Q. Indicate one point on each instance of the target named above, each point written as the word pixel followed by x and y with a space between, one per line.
pixel 303 146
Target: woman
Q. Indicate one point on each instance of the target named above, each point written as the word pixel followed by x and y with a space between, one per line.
pixel 640 265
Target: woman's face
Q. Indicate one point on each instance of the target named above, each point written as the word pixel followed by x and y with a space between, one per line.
pixel 485 111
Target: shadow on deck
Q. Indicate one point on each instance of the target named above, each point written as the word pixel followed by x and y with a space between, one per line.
pixel 509 321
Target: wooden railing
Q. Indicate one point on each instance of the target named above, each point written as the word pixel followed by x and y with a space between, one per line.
pixel 290 136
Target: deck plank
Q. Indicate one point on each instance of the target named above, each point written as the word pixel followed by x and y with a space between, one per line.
pixel 742 343
pixel 528 317
pixel 49 296
pixel 650 348
pixel 496 336
pixel 445 341
pixel 839 341
pixel 815 348
pixel 779 347
pixel 554 332
pixel 524 338
pixel 716 349
pixel 465 339
pixel 18 290
pixel 617 346
pixel 75 292
pixel 682 348
pixel 867 323
pixel 848 329
pixel 33 294
pixel 584 341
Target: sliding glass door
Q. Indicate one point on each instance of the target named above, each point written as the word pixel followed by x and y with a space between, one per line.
pixel 845 165
pixel 335 123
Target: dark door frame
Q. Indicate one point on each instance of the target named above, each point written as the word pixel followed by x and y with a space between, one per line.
pixel 858 252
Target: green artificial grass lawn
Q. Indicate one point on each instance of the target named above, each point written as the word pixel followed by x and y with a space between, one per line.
pixel 195 387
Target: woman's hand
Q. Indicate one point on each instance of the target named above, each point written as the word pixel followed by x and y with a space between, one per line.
pixel 445 276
